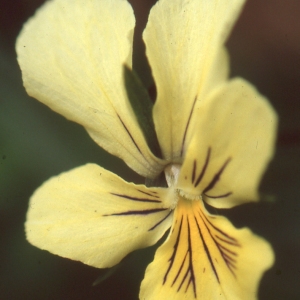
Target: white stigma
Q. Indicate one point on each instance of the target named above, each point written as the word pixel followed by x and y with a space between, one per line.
pixel 172 174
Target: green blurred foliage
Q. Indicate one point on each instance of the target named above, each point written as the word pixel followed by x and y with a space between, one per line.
pixel 36 143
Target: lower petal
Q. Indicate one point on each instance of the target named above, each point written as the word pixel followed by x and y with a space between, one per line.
pixel 91 215
pixel 205 257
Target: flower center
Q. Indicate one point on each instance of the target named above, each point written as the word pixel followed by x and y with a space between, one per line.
pixel 172 174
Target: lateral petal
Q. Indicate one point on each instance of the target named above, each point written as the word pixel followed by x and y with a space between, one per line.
pixel 183 43
pixel 205 257
pixel 231 142
pixel 71 54
pixel 92 215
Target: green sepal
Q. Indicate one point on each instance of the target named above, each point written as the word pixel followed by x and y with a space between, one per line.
pixel 159 181
pixel 107 273
pixel 142 106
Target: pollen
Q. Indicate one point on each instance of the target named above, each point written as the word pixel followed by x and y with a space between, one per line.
pixel 189 196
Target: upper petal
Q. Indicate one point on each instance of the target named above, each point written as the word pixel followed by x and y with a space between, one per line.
pixel 184 43
pixel 231 142
pixel 205 257
pixel 71 54
pixel 91 215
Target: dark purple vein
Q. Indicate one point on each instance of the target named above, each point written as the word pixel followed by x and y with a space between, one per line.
pixel 137 212
pixel 149 194
pixel 203 168
pixel 216 177
pixel 219 196
pixel 191 267
pixel 207 251
pixel 194 170
pixel 135 198
pixel 163 219
pixel 187 126
pixel 132 139
pixel 175 247
pixel 180 268
pixel 229 261
pixel 219 230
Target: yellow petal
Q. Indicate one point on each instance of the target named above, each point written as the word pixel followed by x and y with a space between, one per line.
pixel 183 42
pixel 91 215
pixel 205 257
pixel 231 142
pixel 71 54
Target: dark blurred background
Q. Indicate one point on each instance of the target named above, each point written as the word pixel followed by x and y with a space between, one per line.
pixel 36 143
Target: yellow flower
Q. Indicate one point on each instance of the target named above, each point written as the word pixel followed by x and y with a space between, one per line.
pixel 216 136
